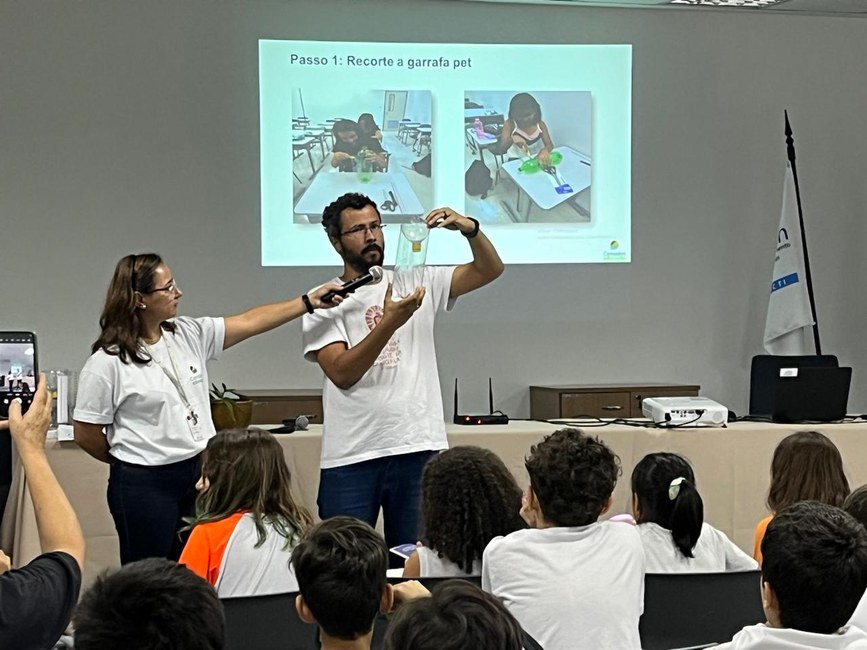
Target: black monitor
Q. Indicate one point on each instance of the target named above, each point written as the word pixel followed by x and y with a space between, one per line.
pixel 765 371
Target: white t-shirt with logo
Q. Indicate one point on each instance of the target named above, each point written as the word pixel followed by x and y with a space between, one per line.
pixel 396 407
pixel 571 587
pixel 144 415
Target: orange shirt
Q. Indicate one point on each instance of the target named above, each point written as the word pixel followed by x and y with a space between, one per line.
pixel 203 553
pixel 760 535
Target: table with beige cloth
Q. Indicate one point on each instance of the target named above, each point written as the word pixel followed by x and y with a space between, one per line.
pixel 731 464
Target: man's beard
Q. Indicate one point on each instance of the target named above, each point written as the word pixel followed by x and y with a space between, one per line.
pixel 362 264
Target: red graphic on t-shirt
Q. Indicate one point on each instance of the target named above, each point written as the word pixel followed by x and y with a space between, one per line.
pixel 390 354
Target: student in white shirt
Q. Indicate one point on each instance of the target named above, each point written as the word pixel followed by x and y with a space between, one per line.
pixel 143 403
pixel 469 497
pixel 670 516
pixel 571 581
pixel 814 572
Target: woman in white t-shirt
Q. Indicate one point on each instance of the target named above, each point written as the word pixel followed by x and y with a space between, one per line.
pixel 143 403
pixel 670 515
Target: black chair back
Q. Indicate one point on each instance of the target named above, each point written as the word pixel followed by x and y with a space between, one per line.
pixel 685 610
pixel 267 622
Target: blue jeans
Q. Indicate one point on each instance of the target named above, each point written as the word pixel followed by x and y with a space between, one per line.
pixel 392 482
pixel 148 503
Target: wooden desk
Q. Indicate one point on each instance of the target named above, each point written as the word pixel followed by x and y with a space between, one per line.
pixel 600 400
pixel 275 405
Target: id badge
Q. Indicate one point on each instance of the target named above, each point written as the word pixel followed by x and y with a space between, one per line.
pixel 195 425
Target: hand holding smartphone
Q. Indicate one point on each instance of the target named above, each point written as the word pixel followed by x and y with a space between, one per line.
pixel 19 370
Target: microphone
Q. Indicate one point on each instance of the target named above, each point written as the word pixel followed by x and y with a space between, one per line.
pixel 373 275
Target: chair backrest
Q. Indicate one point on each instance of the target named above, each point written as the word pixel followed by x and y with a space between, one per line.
pixel 267 622
pixel 695 609
pixel 765 369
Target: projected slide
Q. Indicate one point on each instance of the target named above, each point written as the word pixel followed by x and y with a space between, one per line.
pixel 531 140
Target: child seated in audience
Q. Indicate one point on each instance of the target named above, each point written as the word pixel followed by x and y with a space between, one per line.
pixel 341 567
pixel 813 575
pixel 856 505
pixel 456 615
pixel 670 516
pixel 153 603
pixel 806 466
pixel 247 522
pixel 468 498
pixel 571 581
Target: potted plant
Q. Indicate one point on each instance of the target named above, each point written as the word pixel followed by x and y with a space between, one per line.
pixel 229 410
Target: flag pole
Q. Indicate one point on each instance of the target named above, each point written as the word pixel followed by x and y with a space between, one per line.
pixel 790 149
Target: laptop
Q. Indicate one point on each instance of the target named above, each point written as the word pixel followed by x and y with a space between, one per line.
pixel 812 394
pixel 765 370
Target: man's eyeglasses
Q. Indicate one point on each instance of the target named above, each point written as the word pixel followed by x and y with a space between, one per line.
pixel 360 230
pixel 171 287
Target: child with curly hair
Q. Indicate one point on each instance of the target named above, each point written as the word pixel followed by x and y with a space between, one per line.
pixel 468 498
pixel 247 521
pixel 571 580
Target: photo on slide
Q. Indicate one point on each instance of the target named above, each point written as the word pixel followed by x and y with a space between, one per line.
pixel 528 156
pixel 374 142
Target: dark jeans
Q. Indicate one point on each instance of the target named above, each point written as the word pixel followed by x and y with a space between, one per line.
pixel 148 503
pixel 392 482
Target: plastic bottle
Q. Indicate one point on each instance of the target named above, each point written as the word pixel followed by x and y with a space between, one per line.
pixel 479 128
pixel 363 168
pixel 530 166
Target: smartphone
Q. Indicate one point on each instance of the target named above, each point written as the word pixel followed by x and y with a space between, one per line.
pixel 18 370
pixel 404 550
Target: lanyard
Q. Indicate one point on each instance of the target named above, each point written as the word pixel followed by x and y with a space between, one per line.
pixel 174 376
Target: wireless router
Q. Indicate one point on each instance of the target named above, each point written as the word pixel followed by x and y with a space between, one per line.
pixel 491 418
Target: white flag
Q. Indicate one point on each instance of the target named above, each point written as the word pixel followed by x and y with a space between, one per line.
pixel 789 322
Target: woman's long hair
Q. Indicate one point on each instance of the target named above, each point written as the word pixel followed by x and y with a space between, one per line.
pixel 120 321
pixel 806 467
pixel 664 485
pixel 246 471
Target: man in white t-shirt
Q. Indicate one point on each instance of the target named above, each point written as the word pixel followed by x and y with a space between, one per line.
pixel 570 580
pixel 382 401
pixel 814 572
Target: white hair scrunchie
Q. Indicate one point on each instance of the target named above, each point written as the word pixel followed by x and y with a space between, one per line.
pixel 674 488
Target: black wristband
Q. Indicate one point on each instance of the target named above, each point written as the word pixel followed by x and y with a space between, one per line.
pixel 474 231
pixel 307 303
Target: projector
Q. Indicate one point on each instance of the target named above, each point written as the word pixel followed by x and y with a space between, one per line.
pixel 685 411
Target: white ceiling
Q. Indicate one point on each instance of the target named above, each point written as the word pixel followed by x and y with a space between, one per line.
pixel 854 8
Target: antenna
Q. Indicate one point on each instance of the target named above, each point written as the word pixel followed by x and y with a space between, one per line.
pixel 456 400
pixel 490 397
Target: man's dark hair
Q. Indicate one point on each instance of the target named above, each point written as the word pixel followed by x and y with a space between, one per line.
pixel 342 126
pixel 153 603
pixel 815 560
pixel 331 214
pixel 457 615
pixel 340 566
pixel 572 476
pixel 856 504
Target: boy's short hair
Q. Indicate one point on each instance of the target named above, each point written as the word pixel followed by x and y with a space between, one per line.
pixel 341 566
pixel 153 603
pixel 856 504
pixel 457 615
pixel 815 560
pixel 572 476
